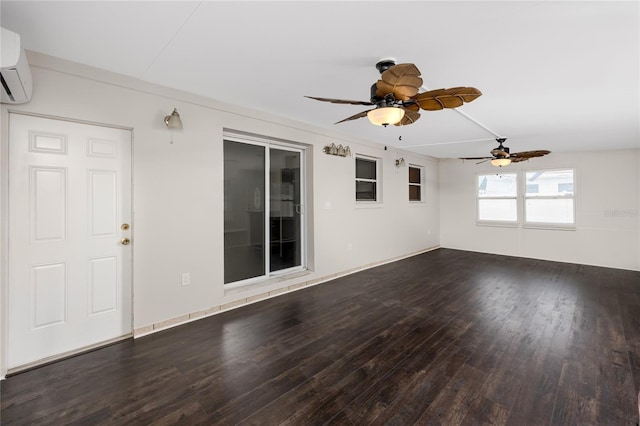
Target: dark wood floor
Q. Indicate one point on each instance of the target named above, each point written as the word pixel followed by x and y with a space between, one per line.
pixel 447 337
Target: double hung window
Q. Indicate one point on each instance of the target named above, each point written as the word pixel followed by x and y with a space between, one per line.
pixel 548 198
pixel 367 177
pixel 415 183
pixel 544 198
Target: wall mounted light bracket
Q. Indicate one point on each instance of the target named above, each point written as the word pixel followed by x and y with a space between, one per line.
pixel 340 151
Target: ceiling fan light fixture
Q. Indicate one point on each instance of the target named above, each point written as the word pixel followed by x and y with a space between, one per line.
pixel 385 116
pixel 499 162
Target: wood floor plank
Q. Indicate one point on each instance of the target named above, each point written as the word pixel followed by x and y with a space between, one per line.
pixel 573 408
pixel 486 412
pixel 390 388
pixel 316 365
pixel 452 404
pixel 412 401
pixel 339 396
pixel 446 337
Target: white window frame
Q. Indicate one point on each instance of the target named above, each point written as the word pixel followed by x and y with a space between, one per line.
pixel 548 225
pixel 419 185
pixel 377 180
pixel 502 223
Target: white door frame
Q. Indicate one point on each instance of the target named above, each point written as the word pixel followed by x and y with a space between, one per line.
pixel 4 220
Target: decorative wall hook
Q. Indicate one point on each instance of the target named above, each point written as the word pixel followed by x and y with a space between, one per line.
pixel 400 162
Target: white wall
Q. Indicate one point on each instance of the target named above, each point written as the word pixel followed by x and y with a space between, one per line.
pixel 607 211
pixel 178 188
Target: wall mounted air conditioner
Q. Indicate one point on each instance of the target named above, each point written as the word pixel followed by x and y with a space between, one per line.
pixel 15 75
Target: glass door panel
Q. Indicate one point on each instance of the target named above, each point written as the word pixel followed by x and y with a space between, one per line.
pixel 285 223
pixel 244 218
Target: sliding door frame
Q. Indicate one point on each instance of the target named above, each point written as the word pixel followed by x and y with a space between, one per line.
pixel 269 144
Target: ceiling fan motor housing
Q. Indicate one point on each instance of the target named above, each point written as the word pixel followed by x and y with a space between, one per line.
pixel 382 66
pixel 500 147
pixel 385 64
pixel 388 101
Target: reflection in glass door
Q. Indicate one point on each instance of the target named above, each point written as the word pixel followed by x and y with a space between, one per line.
pixel 255 183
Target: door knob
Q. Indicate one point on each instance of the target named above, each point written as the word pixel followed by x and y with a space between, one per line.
pixel 125 241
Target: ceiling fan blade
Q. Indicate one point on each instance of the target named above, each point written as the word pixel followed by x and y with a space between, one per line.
pixel 410 106
pixel 483 161
pixel 410 117
pixel 454 97
pixel 403 80
pixel 355 117
pixel 525 155
pixel 475 158
pixel 340 101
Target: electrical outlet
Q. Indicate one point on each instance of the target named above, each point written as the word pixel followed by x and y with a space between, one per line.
pixel 186 278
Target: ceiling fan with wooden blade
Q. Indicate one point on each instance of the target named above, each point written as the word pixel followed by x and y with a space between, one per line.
pixel 500 156
pixel 397 99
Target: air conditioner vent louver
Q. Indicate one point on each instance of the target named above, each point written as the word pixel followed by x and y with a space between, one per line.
pixel 15 74
pixel 6 88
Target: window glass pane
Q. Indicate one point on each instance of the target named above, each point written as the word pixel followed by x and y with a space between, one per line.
pixel 498 210
pixel 414 175
pixel 532 188
pixel 565 188
pixel 365 169
pixel 550 183
pixel 556 210
pixel 498 185
pixel 365 191
pixel 414 193
pixel 243 211
pixel 284 213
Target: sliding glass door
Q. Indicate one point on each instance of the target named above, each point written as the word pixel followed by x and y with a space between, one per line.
pixel 244 241
pixel 263 210
pixel 284 214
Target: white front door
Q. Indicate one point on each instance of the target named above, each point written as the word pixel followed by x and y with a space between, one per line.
pixel 69 222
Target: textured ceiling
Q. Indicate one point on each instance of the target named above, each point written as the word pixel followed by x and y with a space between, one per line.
pixel 554 75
